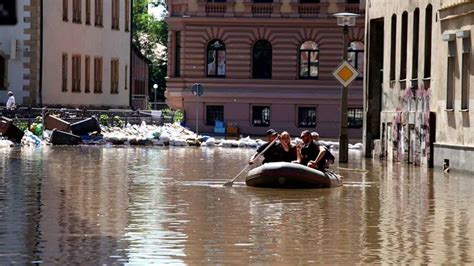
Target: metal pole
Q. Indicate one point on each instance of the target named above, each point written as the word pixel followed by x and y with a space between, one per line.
pixel 197 114
pixel 343 139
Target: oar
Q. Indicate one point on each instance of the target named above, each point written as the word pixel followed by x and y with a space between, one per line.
pixel 230 183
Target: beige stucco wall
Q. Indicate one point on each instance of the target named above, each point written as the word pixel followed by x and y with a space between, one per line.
pixel 454 129
pixel 71 38
pixel 22 70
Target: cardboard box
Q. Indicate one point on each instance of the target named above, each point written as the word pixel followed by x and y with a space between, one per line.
pixel 232 130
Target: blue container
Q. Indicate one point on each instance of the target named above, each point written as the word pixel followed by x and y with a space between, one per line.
pixel 219 130
pixel 219 124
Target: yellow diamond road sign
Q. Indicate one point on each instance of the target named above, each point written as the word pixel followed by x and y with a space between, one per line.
pixel 345 73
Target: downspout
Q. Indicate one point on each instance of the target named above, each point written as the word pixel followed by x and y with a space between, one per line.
pixel 130 64
pixel 40 85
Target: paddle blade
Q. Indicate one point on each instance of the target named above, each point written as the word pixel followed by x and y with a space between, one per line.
pixel 228 184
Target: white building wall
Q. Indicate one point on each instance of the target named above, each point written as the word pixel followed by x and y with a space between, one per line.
pixel 15 70
pixel 85 40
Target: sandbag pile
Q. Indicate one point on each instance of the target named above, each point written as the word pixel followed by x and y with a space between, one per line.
pixel 88 131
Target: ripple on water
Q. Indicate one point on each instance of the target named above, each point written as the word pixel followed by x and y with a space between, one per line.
pixel 169 206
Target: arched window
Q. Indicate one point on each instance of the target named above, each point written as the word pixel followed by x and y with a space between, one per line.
pixel 262 60
pixel 393 46
pixel 355 56
pixel 428 23
pixel 216 59
pixel 2 73
pixel 416 29
pixel 403 59
pixel 309 60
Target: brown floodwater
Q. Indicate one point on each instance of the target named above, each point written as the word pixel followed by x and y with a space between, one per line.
pixel 167 205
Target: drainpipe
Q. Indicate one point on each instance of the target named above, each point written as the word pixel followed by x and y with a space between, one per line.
pixel 40 85
pixel 130 62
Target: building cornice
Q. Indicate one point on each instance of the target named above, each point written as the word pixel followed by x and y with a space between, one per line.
pixel 238 21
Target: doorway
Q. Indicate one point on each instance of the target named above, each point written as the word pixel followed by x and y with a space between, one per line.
pixel 374 83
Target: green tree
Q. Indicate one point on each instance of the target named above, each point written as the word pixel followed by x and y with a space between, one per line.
pixel 150 36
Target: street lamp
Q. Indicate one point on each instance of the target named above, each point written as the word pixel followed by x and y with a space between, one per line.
pixel 345 20
pixel 155 89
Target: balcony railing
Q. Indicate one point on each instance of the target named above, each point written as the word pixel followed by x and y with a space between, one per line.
pixel 354 8
pixel 213 9
pixel 262 9
pixel 311 10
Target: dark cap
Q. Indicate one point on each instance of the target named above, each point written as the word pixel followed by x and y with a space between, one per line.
pixel 305 133
pixel 271 132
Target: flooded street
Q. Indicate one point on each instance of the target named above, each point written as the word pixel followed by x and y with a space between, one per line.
pixel 96 205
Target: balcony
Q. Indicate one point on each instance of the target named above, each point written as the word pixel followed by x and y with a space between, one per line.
pixel 262 9
pixel 354 8
pixel 216 9
pixel 310 9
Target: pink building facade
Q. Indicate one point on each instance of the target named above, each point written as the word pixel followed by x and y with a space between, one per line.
pixel 263 65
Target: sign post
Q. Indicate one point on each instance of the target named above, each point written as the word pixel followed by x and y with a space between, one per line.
pixel 197 90
pixel 345 73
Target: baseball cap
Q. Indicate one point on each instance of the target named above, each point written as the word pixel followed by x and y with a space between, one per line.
pixel 271 132
pixel 305 133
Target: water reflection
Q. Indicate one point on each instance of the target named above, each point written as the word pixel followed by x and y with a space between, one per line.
pixel 95 205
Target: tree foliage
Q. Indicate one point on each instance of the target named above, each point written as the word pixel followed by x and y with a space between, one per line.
pixel 150 36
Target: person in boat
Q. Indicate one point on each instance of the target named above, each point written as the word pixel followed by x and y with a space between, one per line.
pixel 315 136
pixel 321 146
pixel 307 151
pixel 272 154
pixel 287 150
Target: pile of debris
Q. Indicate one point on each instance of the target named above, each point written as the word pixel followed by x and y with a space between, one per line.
pixel 56 131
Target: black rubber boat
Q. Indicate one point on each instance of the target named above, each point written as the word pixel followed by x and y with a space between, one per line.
pixel 291 175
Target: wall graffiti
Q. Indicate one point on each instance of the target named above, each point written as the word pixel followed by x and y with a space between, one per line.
pixel 410 134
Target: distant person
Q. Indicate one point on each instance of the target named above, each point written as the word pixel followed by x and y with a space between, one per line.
pixel 11 104
pixel 272 154
pixel 287 150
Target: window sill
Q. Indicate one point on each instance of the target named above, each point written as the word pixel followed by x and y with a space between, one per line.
pixel 77 22
pixel 464 110
pixel 427 79
pixel 449 110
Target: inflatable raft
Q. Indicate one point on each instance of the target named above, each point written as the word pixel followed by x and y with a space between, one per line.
pixel 291 175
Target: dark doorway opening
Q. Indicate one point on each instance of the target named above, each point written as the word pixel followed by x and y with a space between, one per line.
pixel 374 83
